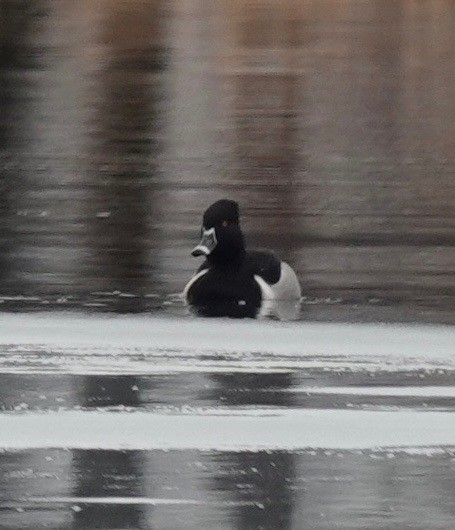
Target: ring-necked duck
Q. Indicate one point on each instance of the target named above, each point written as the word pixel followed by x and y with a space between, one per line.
pixel 232 281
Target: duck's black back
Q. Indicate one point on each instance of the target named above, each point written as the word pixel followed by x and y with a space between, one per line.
pixel 264 263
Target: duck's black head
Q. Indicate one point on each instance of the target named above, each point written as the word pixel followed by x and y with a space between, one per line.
pixel 222 240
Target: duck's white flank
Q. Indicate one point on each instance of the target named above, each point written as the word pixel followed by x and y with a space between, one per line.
pixel 287 288
pixel 192 280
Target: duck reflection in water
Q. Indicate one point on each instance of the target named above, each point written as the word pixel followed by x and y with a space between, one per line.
pixel 236 282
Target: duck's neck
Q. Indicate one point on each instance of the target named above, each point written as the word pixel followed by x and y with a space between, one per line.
pixel 229 256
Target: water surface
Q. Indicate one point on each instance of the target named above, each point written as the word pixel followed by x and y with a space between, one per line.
pixel 332 123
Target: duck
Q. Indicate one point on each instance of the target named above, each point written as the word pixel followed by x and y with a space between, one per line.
pixel 233 281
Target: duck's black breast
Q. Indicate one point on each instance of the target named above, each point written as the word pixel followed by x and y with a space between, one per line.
pixel 225 292
pixel 264 263
pixel 234 292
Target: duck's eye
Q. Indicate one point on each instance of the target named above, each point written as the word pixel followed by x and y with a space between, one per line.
pixel 224 223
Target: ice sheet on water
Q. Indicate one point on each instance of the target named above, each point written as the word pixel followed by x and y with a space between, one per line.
pixel 229 429
pixel 221 335
pixel 144 344
pixel 80 343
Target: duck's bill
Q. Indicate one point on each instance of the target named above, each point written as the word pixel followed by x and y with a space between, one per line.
pixel 207 243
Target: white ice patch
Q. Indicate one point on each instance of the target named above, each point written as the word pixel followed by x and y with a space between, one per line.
pixel 77 343
pixel 134 501
pixel 379 391
pixel 130 501
pixel 226 335
pixel 228 430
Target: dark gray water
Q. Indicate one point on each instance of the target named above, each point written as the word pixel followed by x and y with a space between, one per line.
pixel 332 123
pixel 275 490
